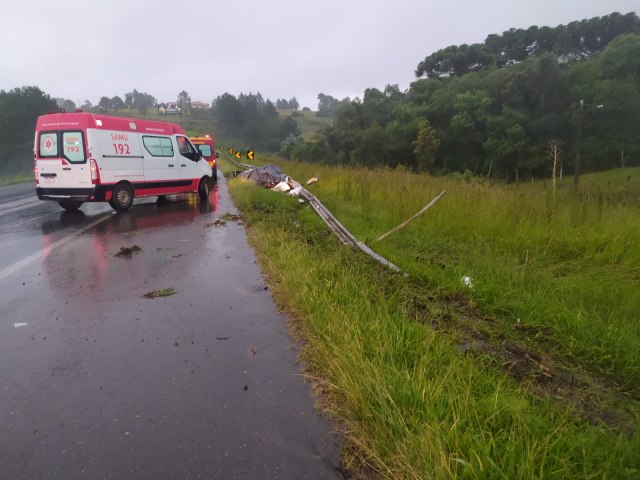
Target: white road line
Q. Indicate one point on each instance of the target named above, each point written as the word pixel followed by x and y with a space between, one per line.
pixel 35 256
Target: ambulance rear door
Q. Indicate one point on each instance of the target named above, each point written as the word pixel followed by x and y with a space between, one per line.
pixel 61 160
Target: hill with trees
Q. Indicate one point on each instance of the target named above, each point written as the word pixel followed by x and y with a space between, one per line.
pixel 493 108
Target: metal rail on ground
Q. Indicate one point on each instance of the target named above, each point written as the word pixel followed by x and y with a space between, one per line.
pixel 332 222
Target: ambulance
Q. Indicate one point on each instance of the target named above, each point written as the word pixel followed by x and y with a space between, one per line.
pixel 85 157
pixel 206 145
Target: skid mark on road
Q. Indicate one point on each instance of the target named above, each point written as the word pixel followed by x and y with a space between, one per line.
pixel 36 256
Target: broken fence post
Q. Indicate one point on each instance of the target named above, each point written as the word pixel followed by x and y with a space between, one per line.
pixel 404 224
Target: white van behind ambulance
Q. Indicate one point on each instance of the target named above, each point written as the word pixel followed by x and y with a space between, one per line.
pixel 85 157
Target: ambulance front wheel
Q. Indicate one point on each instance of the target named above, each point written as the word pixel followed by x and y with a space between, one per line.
pixel 122 197
pixel 203 188
pixel 70 204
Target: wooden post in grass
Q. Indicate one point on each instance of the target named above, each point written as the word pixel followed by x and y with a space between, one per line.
pixel 554 152
pixel 404 224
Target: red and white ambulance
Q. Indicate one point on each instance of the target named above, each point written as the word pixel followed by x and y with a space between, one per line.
pixel 86 157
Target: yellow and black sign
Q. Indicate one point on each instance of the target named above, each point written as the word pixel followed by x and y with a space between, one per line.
pixel 238 155
pixel 250 154
pixel 231 151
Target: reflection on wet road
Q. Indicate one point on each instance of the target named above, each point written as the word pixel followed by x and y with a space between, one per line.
pixel 97 381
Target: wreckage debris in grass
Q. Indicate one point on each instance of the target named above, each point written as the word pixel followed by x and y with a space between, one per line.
pixel 268 176
pixel 313 180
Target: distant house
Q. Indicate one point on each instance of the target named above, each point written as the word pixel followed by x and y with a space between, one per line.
pixel 199 105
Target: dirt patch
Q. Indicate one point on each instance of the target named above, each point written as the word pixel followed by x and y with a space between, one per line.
pixel 527 353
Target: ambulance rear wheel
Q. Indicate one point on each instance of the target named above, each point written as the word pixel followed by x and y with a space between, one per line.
pixel 203 188
pixel 70 204
pixel 122 197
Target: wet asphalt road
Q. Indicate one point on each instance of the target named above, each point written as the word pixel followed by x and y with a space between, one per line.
pixel 98 382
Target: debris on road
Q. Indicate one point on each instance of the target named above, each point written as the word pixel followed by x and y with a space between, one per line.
pixel 163 292
pixel 128 251
pixel 223 219
pixel 230 217
pixel 218 222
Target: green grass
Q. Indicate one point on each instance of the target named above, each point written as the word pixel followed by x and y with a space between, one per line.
pixel 572 267
pixel 557 281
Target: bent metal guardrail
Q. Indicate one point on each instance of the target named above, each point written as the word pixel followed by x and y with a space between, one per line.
pixel 332 222
pixel 343 234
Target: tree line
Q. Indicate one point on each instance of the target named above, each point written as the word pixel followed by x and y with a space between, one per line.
pixel 252 120
pixel 19 109
pixel 249 119
pixel 577 40
pixel 497 118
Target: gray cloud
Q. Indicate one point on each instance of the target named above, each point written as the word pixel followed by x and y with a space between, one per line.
pixel 83 49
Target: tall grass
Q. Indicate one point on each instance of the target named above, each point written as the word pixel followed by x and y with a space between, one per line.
pixel 572 266
pixel 410 404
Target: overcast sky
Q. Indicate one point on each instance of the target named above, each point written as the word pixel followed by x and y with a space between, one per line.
pixel 85 49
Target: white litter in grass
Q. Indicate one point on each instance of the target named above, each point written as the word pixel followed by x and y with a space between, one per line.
pixel 18 325
pixel 295 192
pixel 281 187
pixel 467 281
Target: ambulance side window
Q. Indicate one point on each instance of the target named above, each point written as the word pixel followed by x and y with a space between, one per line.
pixel 185 148
pixel 49 144
pixel 158 146
pixel 73 147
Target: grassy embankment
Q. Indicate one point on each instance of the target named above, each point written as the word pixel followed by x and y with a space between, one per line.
pixel 308 121
pixel 533 373
pixel 11 179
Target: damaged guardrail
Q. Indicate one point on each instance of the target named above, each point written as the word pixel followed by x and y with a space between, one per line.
pixel 271 177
